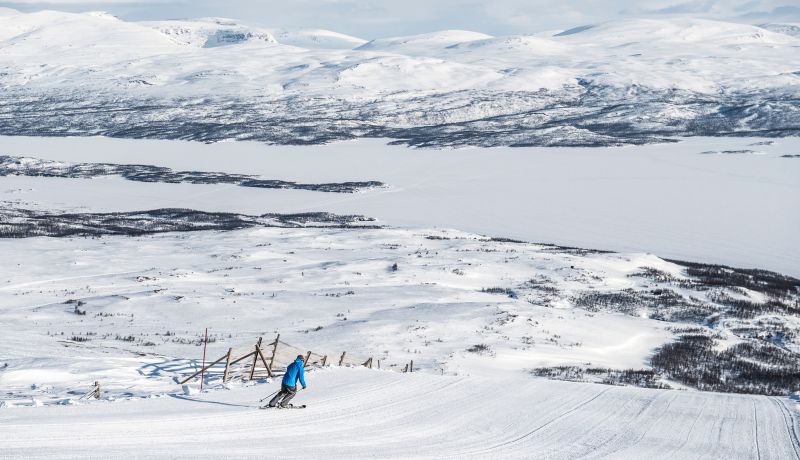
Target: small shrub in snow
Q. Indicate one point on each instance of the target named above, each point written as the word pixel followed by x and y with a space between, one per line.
pixel 480 349
pixel 498 290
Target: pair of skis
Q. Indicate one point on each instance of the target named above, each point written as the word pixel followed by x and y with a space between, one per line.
pixel 290 406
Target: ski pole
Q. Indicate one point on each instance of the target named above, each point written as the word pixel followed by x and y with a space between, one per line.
pixel 265 397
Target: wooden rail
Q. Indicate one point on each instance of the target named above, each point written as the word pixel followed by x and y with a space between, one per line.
pixel 250 370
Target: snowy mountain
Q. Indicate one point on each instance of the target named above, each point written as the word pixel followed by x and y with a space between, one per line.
pixel 792 29
pixel 626 81
pixel 209 33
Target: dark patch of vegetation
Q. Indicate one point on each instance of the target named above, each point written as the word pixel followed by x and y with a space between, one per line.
pixel 148 173
pixel 661 304
pixel 747 367
pixel 572 250
pixel 645 378
pixel 480 349
pixel 542 285
pixel 561 120
pixel 568 373
pixel 728 152
pixel 656 275
pixel 498 290
pixel 764 281
pixel 76 304
pixel 720 282
pixel 742 308
pixel 23 223
pixel 506 240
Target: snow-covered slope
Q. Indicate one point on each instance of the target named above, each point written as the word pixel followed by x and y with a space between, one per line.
pixel 424 43
pixel 317 38
pixel 120 293
pixel 788 28
pixel 126 309
pixel 154 79
pixel 212 32
pixel 376 414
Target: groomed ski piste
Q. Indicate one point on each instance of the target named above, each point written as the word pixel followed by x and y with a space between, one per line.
pixel 362 413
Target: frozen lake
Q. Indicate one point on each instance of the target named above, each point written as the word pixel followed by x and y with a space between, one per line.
pixel 739 208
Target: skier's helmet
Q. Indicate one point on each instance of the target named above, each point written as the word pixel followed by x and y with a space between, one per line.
pixel 300 357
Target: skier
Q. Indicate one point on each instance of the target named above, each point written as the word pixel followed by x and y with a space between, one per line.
pixel 289 384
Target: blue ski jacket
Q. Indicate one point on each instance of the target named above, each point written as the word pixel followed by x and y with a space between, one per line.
pixel 294 373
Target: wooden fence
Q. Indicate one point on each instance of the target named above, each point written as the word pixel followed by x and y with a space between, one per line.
pixel 262 361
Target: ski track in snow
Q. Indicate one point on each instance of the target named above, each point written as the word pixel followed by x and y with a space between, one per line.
pixel 359 413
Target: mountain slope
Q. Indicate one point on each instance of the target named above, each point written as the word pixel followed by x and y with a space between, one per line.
pixel 423 43
pixel 628 81
pixel 791 29
pixel 212 32
pixel 317 38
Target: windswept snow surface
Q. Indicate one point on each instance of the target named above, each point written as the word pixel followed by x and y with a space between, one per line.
pixel 317 38
pixel 355 413
pixel 623 82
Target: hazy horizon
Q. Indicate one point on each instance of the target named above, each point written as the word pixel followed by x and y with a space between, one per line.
pixel 383 18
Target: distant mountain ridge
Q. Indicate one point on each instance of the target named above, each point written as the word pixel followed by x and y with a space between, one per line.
pixel 626 81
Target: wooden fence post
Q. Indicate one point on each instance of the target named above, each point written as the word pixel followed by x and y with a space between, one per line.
pixel 341 360
pixel 305 361
pixel 411 366
pixel 227 365
pixel 255 359
pixel 324 360
pixel 379 364
pixel 264 360
pixel 405 369
pixel 274 350
pixel 201 370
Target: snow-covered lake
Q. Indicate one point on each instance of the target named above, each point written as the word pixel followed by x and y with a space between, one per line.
pixel 672 200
